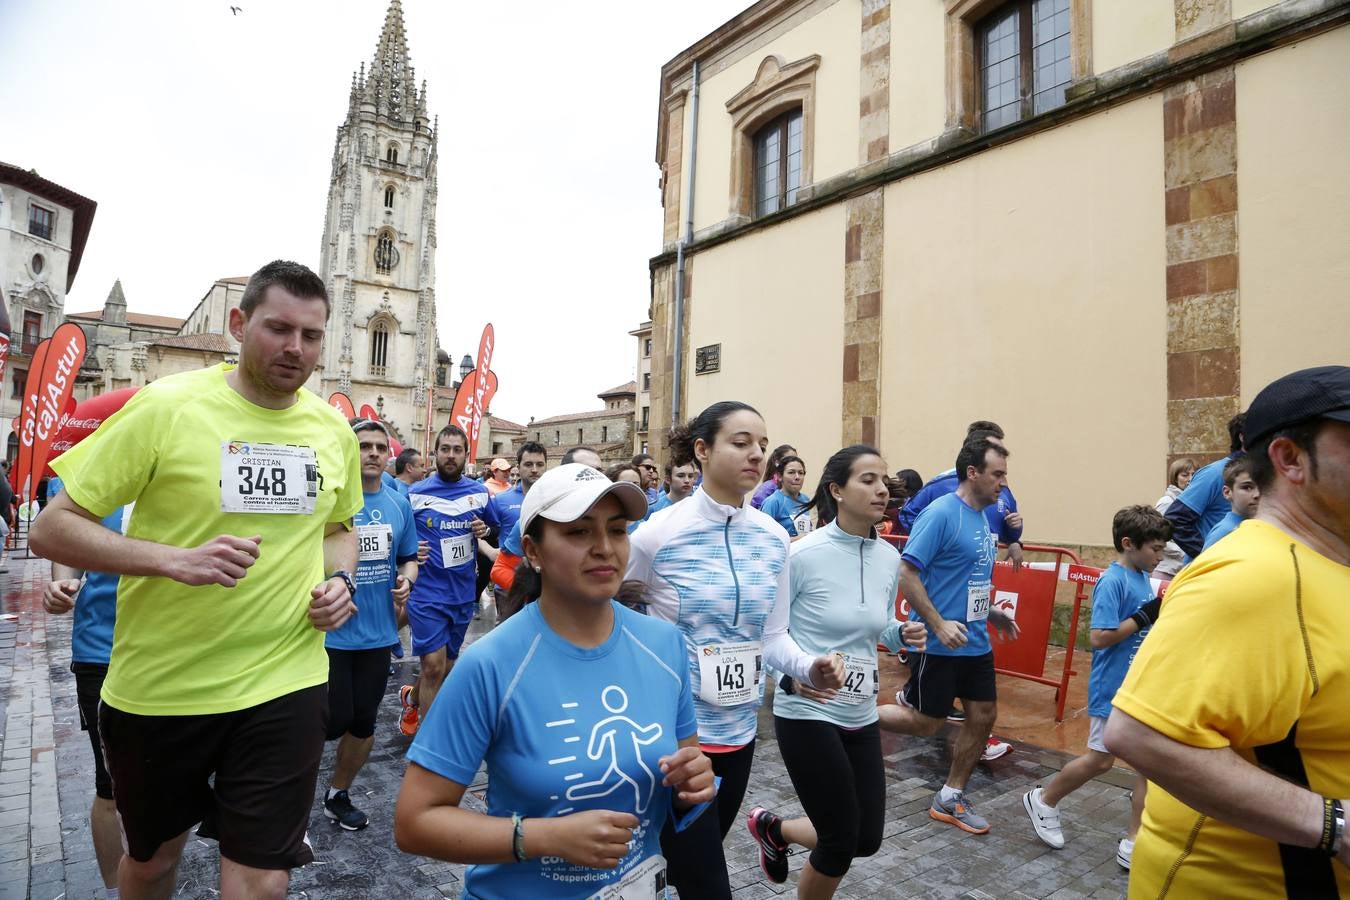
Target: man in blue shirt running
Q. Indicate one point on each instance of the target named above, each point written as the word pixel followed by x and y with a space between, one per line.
pixel 946 574
pixel 358 652
pixel 1004 520
pixel 451 513
pixel 1200 507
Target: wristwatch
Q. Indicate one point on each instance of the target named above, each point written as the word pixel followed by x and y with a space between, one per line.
pixel 347 580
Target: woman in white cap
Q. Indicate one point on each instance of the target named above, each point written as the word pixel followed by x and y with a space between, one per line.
pixel 581 709
pixel 718 568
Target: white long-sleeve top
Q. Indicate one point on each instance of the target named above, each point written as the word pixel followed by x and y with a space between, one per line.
pixel 720 574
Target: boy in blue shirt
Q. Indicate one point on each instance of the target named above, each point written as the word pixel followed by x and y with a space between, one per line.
pixel 1123 608
pixel 1242 495
pixel 358 652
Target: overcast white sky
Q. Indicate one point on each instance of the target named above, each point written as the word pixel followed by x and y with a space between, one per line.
pixel 206 138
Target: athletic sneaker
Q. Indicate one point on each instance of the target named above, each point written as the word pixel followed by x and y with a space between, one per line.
pixel 958 812
pixel 994 749
pixel 1045 819
pixel 1124 853
pixel 339 808
pixel 772 855
pixel 956 716
pixel 408 721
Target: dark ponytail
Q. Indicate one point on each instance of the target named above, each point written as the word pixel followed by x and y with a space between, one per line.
pixel 775 463
pixel 838 470
pixel 703 427
pixel 527 584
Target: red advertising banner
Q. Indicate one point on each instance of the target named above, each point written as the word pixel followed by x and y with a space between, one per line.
pixel 476 392
pixel 50 383
pixel 342 403
pixel 368 412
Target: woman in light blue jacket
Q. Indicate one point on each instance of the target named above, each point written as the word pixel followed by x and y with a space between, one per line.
pixel 843 583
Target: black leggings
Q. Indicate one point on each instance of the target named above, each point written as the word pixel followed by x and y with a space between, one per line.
pixel 356 682
pixel 695 863
pixel 841 782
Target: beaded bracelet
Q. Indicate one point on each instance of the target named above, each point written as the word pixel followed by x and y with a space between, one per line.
pixel 517 838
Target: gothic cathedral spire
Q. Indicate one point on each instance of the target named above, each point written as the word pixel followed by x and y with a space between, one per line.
pixel 379 242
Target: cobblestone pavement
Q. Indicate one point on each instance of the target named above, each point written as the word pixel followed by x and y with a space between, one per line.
pixel 46 786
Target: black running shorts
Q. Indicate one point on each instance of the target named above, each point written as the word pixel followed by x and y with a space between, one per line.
pixel 936 680
pixel 264 759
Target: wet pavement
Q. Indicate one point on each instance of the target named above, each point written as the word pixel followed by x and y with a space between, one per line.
pixel 46 786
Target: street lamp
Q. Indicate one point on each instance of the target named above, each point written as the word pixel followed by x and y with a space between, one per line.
pixel 465 367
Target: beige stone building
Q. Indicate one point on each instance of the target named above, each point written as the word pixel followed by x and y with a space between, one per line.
pixel 43 231
pixel 609 431
pixel 1105 225
pixel 643 411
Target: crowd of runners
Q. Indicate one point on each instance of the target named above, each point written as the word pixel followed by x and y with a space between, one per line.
pixel 240 560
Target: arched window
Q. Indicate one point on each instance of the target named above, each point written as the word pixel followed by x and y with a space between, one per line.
pixel 379 349
pixel 391 154
pixel 386 255
pixel 778 163
pixel 389 197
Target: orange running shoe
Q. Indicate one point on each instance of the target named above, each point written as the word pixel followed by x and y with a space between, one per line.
pixel 408 720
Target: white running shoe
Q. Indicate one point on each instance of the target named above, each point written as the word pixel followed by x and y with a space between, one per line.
pixel 1124 853
pixel 1045 819
pixel 994 749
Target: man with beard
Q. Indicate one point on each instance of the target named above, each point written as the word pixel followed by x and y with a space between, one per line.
pixel 451 513
pixel 237 557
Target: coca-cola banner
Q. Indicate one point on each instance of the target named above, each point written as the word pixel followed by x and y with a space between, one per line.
pixel 45 395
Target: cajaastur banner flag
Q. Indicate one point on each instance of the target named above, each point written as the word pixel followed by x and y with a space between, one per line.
pixel 51 380
pixel 368 412
pixel 475 392
pixel 342 403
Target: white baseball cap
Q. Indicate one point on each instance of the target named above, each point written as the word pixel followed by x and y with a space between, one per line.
pixel 568 492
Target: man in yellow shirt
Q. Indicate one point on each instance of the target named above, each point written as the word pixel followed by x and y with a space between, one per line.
pixel 236 559
pixel 1238 703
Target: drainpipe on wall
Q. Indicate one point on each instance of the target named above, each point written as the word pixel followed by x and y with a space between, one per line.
pixel 685 239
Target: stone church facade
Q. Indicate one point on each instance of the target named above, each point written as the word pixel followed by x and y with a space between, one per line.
pixel 379 242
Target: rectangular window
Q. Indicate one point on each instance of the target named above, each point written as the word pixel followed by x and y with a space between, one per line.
pixel 17 378
pixel 646 416
pixel 1024 60
pixel 557 438
pixel 32 331
pixel 604 433
pixel 646 381
pixel 778 163
pixel 580 439
pixel 41 221
pixel 647 347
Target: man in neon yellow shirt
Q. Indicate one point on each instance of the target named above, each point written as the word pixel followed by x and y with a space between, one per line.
pixel 1236 704
pixel 235 561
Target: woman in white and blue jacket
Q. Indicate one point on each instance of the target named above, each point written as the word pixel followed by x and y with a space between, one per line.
pixel 718 568
pixel 843 586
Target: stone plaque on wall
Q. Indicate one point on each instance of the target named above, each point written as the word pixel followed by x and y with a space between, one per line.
pixel 708 359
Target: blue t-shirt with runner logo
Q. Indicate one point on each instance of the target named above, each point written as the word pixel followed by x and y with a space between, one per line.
pixel 444 512
pixel 1118 595
pixel 385 538
pixel 91 634
pixel 563 729
pixel 953 549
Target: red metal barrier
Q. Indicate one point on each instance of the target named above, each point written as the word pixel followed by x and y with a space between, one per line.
pixel 1028 595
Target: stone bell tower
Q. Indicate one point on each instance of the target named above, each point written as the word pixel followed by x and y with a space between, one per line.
pixel 379 241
